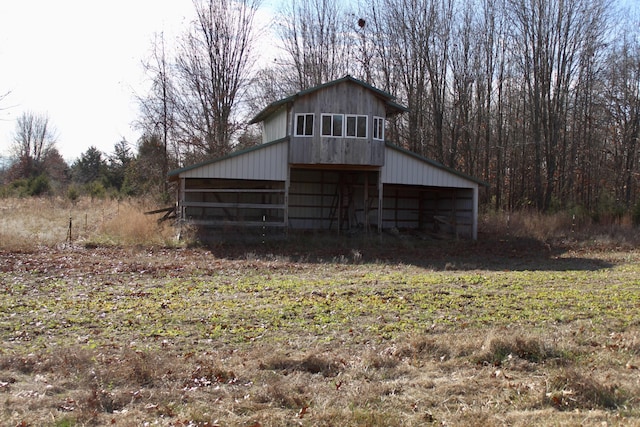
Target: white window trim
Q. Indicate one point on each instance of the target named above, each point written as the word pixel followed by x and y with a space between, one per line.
pixel 375 125
pixel 331 135
pixel 295 125
pixel 356 116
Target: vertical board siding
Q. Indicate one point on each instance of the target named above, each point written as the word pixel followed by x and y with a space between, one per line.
pixel 344 98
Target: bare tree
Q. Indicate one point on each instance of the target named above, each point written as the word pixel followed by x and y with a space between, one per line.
pixel 33 139
pixel 157 107
pixel 316 42
pixel 213 67
pixel 465 72
pixel 419 35
pixel 550 36
pixel 623 107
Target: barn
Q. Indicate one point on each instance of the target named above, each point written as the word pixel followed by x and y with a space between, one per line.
pixel 324 164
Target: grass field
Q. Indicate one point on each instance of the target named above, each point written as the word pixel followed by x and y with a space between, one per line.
pixel 513 329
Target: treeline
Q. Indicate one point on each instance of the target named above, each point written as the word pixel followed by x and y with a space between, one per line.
pixel 539 98
pixel 38 169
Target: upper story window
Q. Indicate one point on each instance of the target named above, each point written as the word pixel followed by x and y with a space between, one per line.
pixel 332 124
pixel 356 126
pixel 304 124
pixel 378 128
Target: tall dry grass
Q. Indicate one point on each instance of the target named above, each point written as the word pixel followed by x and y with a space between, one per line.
pixel 29 223
pixel 561 226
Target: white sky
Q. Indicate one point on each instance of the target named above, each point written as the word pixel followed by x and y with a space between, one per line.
pixel 80 62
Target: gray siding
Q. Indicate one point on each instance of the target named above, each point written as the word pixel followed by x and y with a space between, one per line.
pixel 344 98
pixel 337 151
pixel 401 168
pixel 275 126
pixel 268 163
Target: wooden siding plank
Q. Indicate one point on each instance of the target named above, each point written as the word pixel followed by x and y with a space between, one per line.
pixel 234 190
pixel 239 223
pixel 344 98
pixel 233 205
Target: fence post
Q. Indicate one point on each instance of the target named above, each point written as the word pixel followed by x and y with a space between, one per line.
pixel 69 232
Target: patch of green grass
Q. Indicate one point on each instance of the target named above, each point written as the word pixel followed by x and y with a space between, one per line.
pixel 183 335
pixel 360 301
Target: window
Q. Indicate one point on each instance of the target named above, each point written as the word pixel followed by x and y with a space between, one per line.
pixel 356 126
pixel 332 124
pixel 304 124
pixel 378 128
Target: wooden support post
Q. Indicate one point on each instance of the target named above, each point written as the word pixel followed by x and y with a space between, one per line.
pixel 380 205
pixel 340 199
pixel 474 214
pixel 366 202
pixel 181 198
pixel 287 184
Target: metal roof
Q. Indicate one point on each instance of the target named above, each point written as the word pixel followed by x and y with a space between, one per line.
pixel 435 164
pixel 176 172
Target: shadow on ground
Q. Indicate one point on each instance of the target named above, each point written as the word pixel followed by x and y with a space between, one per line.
pixel 487 253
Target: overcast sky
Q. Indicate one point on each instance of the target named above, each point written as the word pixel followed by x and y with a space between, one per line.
pixel 79 62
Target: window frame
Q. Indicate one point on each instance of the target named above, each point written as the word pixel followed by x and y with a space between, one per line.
pixel 379 124
pixel 356 129
pixel 304 125
pixel 332 126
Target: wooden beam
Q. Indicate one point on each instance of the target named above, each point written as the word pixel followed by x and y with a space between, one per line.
pixel 234 205
pixel 234 190
pixel 219 223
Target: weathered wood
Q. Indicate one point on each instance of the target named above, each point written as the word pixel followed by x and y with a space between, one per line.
pixel 234 190
pixel 344 99
pixel 157 211
pixel 240 223
pixel 233 205
pixel 169 213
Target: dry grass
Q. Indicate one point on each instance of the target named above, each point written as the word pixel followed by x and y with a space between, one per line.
pixel 127 331
pixel 378 384
pixel 562 227
pixel 130 226
pixel 27 223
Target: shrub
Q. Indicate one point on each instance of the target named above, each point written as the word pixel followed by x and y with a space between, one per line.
pixel 39 185
pixel 73 194
pixel 96 190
